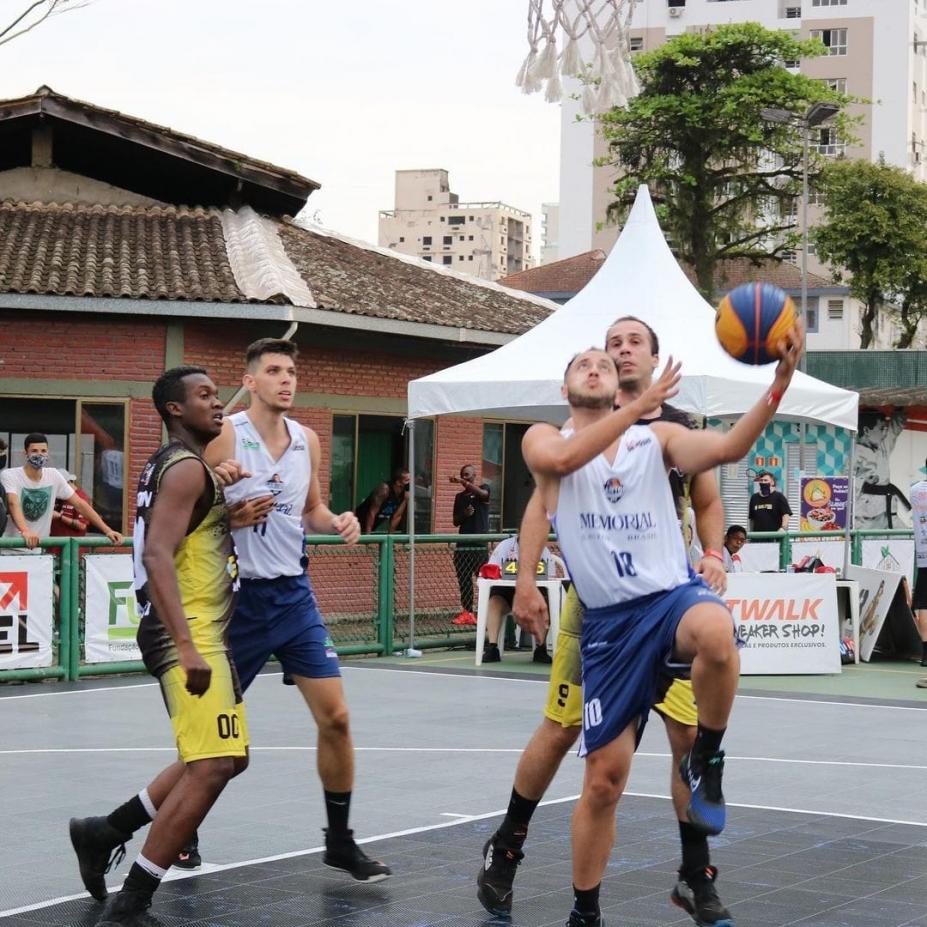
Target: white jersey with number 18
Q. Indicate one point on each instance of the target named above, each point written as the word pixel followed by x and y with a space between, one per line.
pixel 617 524
pixel 275 548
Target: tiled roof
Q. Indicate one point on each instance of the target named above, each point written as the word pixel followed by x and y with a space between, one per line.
pixel 349 276
pixel 567 276
pixel 572 274
pixel 180 253
pixel 155 252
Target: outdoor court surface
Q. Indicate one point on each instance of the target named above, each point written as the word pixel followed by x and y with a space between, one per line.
pixel 825 780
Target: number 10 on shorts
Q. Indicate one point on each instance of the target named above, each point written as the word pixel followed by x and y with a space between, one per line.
pixel 592 713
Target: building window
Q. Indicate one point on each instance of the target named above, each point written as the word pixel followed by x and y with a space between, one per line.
pixel 811 317
pixel 836 83
pixel 447 240
pixel 829 143
pixel 828 2
pixel 835 40
pixel 835 309
pixel 448 258
pixel 455 220
pixel 460 257
pixel 366 449
pixel 636 43
pixel 504 468
pixel 95 451
pixel 461 237
pixel 426 241
pixel 401 239
pixel 442 218
pixel 793 12
pixel 470 257
pixel 469 238
pixel 430 197
pixel 426 257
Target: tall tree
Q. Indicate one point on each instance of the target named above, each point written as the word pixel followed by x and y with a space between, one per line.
pixel 35 14
pixel 725 180
pixel 874 229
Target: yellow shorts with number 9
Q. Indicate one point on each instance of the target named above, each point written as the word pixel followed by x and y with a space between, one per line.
pixel 210 725
pixel 565 692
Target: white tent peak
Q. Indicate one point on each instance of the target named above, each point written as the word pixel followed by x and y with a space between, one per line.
pixel 640 277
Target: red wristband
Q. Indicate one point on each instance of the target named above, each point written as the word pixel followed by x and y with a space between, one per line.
pixel 773 398
pixel 713 553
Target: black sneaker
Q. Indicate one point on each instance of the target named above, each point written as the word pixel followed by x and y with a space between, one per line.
pixel 697 896
pixel 541 655
pixel 128 909
pixel 99 847
pixel 496 875
pixel 702 775
pixel 491 654
pixel 578 920
pixel 346 855
pixel 189 857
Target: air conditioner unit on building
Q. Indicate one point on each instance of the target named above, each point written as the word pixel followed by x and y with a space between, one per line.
pixel 676 11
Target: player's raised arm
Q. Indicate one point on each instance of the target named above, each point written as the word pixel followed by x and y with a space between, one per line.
pixel 695 451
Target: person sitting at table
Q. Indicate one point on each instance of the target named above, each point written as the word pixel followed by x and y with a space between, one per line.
pixel 505 556
pixel 734 539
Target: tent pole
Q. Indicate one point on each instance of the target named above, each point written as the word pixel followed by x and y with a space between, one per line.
pixel 410 517
pixel 851 507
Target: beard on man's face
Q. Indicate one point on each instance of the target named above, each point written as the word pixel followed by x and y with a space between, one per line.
pixel 586 401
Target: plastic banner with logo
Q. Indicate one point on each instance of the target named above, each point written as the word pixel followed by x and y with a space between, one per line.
pixel 27 609
pixel 788 622
pixel 111 615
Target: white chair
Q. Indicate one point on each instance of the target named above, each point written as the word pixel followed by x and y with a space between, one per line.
pixel 554 587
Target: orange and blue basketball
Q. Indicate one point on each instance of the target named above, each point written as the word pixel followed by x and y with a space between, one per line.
pixel 752 320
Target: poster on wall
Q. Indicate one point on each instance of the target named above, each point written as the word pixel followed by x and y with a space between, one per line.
pixel 111 615
pixel 876 592
pixel 27 609
pixel 824 503
pixel 877 500
pixel 789 622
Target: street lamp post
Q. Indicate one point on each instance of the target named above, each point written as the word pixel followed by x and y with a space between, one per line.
pixel 816 114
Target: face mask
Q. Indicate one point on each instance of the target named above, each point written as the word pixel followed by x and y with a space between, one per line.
pixel 765 489
pixel 37 460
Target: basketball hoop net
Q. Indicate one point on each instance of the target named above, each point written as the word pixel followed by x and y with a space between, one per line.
pixel 608 78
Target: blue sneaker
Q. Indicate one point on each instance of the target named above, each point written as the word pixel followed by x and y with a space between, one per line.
pixel 702 775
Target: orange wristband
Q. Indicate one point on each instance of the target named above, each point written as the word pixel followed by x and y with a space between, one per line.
pixel 713 553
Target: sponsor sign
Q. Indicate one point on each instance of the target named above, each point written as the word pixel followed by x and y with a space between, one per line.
pixel 787 621
pixel 876 594
pixel 27 607
pixel 111 612
pixel 891 555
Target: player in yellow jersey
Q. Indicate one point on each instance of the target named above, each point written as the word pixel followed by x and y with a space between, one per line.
pixel 186 577
pixel 635 348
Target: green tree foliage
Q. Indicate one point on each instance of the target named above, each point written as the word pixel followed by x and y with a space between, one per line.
pixel 696 137
pixel 875 227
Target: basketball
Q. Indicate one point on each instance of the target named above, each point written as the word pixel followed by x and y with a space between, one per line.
pixel 751 321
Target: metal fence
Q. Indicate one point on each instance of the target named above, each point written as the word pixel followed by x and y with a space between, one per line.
pixel 363 593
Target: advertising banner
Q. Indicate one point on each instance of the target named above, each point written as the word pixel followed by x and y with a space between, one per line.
pixel 788 622
pixel 876 592
pixel 824 503
pixel 27 609
pixel 890 555
pixel 111 617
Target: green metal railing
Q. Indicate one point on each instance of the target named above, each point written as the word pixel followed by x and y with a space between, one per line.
pixel 363 591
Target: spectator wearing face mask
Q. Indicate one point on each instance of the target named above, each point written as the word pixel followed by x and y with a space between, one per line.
pixel 31 492
pixel 769 509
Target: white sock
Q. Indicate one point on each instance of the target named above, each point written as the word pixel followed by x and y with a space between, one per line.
pixel 147 803
pixel 149 867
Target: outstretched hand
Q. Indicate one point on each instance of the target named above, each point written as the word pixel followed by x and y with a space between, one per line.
pixel 664 387
pixel 791 349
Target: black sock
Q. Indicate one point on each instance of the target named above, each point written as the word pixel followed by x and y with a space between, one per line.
pixel 514 828
pixel 695 855
pixel 337 806
pixel 708 741
pixel 128 818
pixel 140 881
pixel 586 902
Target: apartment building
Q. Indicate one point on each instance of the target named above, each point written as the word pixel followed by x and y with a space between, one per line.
pixel 486 239
pixel 877 50
pixel 550 232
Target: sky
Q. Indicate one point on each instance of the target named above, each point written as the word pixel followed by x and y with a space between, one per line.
pixel 343 91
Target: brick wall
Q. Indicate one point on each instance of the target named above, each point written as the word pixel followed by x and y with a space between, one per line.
pixel 75 347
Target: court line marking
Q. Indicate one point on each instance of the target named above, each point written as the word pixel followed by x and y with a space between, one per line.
pixel 293 854
pixel 306 749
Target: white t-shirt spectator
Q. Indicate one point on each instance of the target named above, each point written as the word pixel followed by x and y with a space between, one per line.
pixel 732 562
pixel 507 551
pixel 36 498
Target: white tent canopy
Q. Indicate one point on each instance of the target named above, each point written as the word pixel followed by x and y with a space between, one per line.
pixel 521 380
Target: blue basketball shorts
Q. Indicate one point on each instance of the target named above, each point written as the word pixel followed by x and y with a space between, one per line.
pixel 625 649
pixel 280 617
